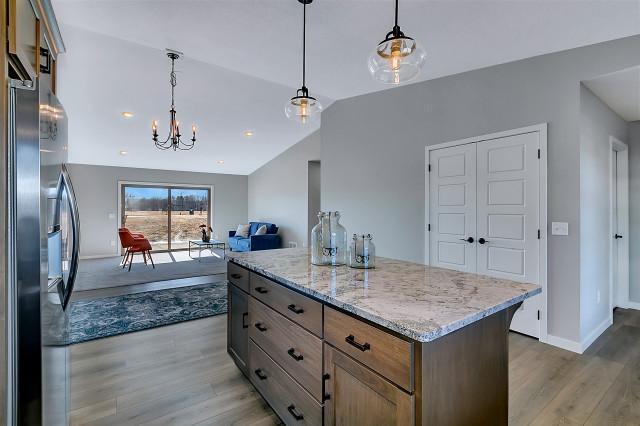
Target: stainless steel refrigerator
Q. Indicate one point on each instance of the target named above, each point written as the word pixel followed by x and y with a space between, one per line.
pixel 43 255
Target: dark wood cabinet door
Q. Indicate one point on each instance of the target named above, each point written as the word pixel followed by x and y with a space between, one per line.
pixel 358 396
pixel 238 326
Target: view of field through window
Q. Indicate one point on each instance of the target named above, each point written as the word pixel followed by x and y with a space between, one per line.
pixel 150 210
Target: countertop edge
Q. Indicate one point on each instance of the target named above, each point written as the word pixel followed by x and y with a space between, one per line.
pixel 420 337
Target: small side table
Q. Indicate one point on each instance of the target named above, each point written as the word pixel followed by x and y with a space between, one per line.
pixel 202 245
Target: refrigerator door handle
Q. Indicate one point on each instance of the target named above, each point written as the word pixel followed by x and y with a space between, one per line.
pixel 65 181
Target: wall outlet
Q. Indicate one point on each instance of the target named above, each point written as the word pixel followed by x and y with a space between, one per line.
pixel 559 228
pixel 113 243
pixel 598 296
pixel 293 244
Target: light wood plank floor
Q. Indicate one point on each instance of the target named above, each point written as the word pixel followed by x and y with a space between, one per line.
pixel 181 374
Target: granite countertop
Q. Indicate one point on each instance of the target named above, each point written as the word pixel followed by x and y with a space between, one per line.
pixel 417 301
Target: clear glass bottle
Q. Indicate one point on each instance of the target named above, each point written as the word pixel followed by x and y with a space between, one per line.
pixel 316 241
pixel 362 253
pixel 329 240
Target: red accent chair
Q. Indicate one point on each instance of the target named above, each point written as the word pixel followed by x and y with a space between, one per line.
pixel 134 243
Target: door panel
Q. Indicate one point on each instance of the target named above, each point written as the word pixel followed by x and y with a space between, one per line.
pixel 452 204
pixel 508 201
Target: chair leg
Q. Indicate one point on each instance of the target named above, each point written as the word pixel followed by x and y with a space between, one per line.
pixel 144 257
pixel 151 259
pixel 126 258
pixel 131 261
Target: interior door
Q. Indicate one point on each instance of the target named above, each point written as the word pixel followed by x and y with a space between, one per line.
pixel 452 205
pixel 508 201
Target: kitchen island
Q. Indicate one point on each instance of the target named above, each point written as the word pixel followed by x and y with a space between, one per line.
pixel 401 344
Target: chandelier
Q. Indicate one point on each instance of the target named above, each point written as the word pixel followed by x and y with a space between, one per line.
pixel 174 139
pixel 302 107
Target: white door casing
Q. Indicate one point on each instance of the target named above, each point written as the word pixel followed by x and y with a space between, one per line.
pixel 511 196
pixel 453 207
pixel 619 247
pixel 508 203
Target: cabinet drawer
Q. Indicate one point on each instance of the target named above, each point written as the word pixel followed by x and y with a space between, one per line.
pixel 288 399
pixel 384 353
pixel 291 346
pixel 238 276
pixel 295 306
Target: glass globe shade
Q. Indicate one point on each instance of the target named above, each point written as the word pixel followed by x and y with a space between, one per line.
pixel 303 109
pixel 396 60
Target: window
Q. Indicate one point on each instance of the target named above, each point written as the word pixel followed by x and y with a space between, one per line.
pixel 169 216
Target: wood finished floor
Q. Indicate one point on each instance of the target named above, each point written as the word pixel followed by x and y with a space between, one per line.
pixel 182 375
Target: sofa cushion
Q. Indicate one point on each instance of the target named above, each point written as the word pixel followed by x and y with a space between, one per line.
pixel 239 243
pixel 271 228
pixel 244 231
pixel 262 230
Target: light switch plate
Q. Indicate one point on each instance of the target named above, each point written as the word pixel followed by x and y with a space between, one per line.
pixel 559 228
pixel 112 216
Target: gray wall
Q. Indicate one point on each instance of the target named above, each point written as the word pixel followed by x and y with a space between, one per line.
pixel 278 190
pixel 374 147
pixel 634 211
pixel 96 188
pixel 597 123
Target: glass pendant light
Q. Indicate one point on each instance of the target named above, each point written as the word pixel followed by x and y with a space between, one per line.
pixel 302 107
pixel 397 58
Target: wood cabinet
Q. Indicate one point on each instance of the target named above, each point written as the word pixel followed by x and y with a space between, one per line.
pixel 23 38
pixel 238 326
pixel 288 399
pixel 322 365
pixel 357 395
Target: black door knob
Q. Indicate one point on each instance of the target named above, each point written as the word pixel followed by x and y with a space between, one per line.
pixel 617 236
pixel 482 240
pixel 469 240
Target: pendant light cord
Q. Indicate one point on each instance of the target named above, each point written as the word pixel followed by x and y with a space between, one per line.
pixel 304 44
pixel 396 23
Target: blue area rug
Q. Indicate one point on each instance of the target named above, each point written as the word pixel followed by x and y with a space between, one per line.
pixel 110 316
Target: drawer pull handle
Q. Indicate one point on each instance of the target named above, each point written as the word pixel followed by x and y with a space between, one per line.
pixel 293 308
pixel 244 320
pixel 292 353
pixel 236 276
pixel 350 339
pixel 262 290
pixel 260 327
pixel 260 374
pixel 294 413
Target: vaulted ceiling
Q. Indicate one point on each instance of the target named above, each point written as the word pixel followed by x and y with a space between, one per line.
pixel 242 62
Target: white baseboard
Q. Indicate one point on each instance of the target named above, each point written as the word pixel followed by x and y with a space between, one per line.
pixel 595 333
pixel 100 256
pixel 562 343
pixel 632 305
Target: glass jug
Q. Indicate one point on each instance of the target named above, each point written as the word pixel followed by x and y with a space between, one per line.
pixel 329 240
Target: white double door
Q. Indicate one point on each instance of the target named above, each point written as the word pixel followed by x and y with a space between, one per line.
pixel 484 213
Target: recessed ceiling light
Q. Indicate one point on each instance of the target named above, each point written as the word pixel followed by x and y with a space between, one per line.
pixel 248 133
pixel 126 114
pixel 124 152
pixel 220 161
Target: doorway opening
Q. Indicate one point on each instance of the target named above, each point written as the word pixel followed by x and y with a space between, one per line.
pixel 313 192
pixel 619 225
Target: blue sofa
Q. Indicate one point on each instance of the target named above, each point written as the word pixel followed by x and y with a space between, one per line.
pixel 271 240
